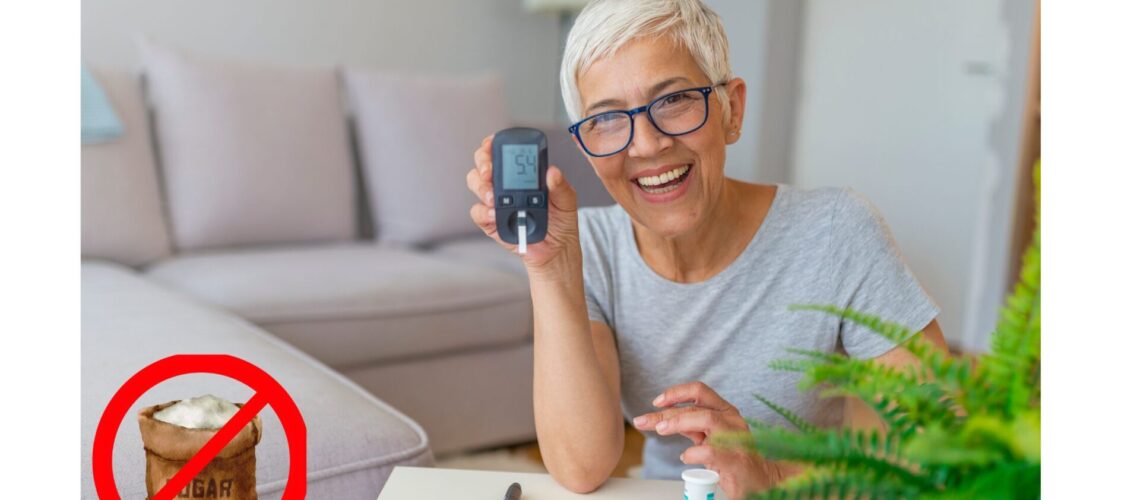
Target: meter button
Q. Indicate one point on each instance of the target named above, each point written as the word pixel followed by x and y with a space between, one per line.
pixel 534 200
pixel 506 200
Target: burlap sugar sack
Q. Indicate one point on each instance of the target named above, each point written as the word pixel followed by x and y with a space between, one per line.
pixel 230 475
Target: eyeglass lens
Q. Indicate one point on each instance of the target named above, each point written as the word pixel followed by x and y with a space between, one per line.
pixel 673 114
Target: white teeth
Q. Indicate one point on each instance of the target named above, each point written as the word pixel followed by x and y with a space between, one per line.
pixel 655 180
pixel 656 190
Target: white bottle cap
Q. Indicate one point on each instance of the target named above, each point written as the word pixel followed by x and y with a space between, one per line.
pixel 700 484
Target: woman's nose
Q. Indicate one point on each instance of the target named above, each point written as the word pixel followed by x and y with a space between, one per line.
pixel 647 140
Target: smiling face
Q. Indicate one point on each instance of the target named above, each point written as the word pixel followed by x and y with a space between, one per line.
pixel 669 185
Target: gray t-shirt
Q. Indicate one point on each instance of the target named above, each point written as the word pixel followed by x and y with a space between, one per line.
pixel 820 246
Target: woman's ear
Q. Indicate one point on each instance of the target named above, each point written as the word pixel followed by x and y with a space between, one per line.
pixel 737 96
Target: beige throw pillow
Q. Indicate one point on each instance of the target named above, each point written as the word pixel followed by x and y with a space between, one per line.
pixel 251 154
pixel 121 205
pixel 416 136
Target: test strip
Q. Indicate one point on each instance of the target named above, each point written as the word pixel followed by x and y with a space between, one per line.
pixel 522 232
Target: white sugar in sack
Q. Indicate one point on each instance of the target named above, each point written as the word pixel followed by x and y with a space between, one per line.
pixel 203 412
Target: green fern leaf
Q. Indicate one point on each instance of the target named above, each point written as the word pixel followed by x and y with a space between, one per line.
pixel 797 421
pixel 832 483
pixel 956 428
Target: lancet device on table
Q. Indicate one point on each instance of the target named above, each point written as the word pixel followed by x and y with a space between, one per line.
pixel 519 177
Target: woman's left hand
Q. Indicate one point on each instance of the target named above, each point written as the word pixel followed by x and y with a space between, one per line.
pixel 740 472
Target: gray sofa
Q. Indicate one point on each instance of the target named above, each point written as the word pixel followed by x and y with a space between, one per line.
pixel 129 322
pixel 361 330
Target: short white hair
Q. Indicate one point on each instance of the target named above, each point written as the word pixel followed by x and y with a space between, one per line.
pixel 605 26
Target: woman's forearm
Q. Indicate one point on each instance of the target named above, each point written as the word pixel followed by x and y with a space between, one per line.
pixel 577 414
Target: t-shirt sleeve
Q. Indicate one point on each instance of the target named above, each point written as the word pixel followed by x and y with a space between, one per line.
pixel 871 277
pixel 596 274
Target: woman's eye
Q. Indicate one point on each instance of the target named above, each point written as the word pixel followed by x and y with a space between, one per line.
pixel 676 98
pixel 607 121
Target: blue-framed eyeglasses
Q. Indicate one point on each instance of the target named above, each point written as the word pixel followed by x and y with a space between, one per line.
pixel 677 113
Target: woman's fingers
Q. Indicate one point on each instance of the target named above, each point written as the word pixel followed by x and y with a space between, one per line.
pixel 481 188
pixel 692 422
pixel 484 218
pixel 688 421
pixel 650 421
pixel 701 420
pixel 702 454
pixel 561 194
pixel 483 153
pixel 696 393
pixel 479 178
pixel 474 184
pixel 483 159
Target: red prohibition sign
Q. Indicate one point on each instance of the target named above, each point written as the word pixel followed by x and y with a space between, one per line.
pixel 266 391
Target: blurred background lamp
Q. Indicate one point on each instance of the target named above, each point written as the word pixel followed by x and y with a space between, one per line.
pixel 567 10
pixel 556 6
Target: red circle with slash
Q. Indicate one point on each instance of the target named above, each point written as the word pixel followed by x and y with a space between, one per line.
pixel 266 392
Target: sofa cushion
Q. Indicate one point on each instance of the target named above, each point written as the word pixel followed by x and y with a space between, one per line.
pixel 416 136
pixel 453 408
pixel 250 154
pixel 354 439
pixel 348 304
pixel 480 250
pixel 121 205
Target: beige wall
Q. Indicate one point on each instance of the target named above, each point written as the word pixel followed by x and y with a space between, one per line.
pixel 428 35
pixel 917 104
pixel 435 36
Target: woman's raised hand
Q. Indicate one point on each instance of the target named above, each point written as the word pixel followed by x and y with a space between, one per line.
pixel 562 212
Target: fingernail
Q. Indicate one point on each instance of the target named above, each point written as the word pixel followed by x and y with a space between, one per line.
pixel 658 400
pixel 490 212
pixel 488 197
pixel 683 459
pixel 639 421
pixel 662 425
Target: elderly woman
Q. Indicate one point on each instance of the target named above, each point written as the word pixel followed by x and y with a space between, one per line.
pixel 666 308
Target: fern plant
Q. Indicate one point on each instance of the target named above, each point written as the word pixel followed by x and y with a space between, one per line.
pixel 954 428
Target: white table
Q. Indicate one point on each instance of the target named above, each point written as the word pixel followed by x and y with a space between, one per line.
pixel 423 483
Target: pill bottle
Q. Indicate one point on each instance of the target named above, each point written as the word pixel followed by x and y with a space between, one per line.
pixel 700 484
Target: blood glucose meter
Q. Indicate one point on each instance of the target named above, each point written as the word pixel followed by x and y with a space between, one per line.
pixel 519 178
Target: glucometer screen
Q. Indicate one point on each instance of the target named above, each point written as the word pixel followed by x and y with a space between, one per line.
pixel 520 166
